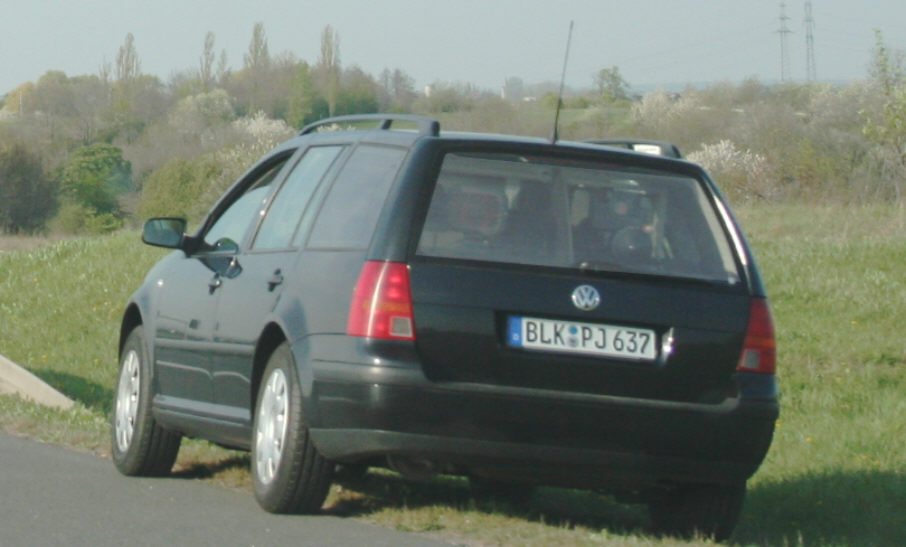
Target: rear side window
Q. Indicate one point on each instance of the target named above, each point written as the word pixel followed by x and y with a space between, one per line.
pixel 351 209
pixel 287 207
pixel 551 212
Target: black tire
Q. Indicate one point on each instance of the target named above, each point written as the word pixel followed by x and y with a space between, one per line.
pixel 288 473
pixel 351 471
pixel 709 510
pixel 140 446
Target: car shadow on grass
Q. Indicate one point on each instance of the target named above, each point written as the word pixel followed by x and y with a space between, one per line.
pixel 379 490
pixel 238 462
pixel 364 496
pixel 840 508
pixel 92 395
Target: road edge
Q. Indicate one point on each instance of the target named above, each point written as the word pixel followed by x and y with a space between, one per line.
pixel 15 380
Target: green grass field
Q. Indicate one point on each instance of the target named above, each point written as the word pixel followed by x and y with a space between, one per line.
pixel 835 475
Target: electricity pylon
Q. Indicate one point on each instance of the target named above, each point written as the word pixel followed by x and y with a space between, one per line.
pixel 809 43
pixel 783 31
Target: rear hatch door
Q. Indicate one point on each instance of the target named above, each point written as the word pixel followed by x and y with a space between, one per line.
pixel 581 276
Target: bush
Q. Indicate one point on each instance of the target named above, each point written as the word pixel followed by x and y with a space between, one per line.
pixel 742 175
pixel 189 187
pixel 176 188
pixel 27 196
pixel 96 176
pixel 79 219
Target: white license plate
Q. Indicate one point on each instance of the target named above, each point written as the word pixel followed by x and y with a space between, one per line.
pixel 586 338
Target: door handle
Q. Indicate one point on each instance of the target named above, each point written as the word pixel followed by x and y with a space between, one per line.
pixel 214 283
pixel 277 279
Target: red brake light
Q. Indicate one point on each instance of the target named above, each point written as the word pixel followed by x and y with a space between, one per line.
pixel 382 303
pixel 758 351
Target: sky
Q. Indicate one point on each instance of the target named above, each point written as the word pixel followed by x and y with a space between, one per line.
pixel 654 43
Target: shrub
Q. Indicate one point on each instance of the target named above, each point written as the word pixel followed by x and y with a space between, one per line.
pixel 27 196
pixel 742 174
pixel 95 176
pixel 77 218
pixel 189 187
pixel 175 188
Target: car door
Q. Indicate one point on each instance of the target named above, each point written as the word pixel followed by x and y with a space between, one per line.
pixel 189 291
pixel 182 326
pixel 260 274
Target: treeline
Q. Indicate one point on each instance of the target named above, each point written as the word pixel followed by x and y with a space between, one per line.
pixel 129 124
pixel 87 153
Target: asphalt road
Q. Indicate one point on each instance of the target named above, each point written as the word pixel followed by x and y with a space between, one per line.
pixel 53 496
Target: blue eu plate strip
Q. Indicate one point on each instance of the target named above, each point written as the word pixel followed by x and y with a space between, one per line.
pixel 514 331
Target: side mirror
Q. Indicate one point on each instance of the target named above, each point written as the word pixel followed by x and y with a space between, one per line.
pixel 165 232
pixel 225 245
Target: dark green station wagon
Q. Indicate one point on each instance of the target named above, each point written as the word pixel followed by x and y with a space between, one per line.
pixel 376 292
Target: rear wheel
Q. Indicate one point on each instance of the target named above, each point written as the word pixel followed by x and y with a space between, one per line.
pixel 288 472
pixel 140 446
pixel 710 510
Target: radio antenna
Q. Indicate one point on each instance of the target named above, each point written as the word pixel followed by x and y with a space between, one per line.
pixel 555 136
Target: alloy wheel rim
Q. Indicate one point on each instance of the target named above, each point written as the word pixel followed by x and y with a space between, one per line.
pixel 270 434
pixel 127 401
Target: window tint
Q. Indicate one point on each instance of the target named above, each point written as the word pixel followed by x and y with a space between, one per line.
pixel 543 211
pixel 286 208
pixel 351 210
pixel 233 222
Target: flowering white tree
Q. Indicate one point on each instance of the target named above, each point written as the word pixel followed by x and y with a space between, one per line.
pixel 188 187
pixel 256 135
pixel 742 174
pixel 659 112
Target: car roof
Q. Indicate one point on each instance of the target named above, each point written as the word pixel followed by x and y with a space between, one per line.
pixel 405 129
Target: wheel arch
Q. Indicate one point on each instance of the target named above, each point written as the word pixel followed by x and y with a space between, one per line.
pixel 271 337
pixel 132 318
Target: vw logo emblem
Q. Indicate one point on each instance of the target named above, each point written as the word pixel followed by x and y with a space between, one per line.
pixel 586 297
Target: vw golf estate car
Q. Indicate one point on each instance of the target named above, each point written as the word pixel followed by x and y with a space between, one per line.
pixel 512 310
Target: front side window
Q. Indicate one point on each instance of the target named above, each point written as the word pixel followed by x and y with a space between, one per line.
pixel 231 226
pixel 551 212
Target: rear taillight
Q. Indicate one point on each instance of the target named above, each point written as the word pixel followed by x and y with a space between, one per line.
pixel 758 350
pixel 382 303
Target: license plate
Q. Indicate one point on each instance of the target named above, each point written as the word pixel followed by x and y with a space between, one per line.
pixel 533 333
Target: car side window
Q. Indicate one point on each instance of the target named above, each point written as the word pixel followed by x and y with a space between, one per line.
pixel 351 209
pixel 289 204
pixel 229 229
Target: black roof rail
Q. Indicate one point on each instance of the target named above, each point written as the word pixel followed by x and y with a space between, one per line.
pixel 426 126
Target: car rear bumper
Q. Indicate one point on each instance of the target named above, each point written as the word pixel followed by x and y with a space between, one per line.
pixel 358 411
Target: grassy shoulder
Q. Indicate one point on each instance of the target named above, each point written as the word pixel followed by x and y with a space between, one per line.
pixel 836 473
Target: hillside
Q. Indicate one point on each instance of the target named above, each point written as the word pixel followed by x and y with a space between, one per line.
pixel 835 276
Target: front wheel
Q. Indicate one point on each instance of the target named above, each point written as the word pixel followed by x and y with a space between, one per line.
pixel 710 510
pixel 288 472
pixel 140 446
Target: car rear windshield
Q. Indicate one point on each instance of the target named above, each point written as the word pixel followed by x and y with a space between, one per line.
pixel 575 214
